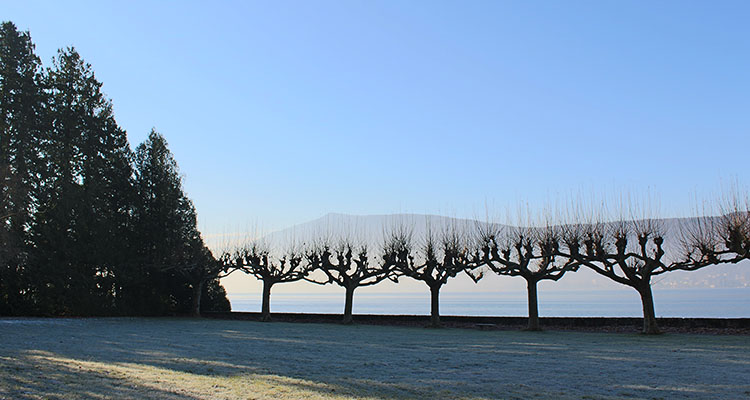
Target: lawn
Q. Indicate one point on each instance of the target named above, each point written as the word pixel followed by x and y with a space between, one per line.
pixel 165 358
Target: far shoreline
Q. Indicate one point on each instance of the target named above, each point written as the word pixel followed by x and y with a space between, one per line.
pixel 719 303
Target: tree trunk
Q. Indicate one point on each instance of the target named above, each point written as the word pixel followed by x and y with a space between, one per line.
pixel 348 305
pixel 265 312
pixel 197 293
pixel 649 316
pixel 533 306
pixel 435 306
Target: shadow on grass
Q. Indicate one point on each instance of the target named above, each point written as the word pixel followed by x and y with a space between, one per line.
pixel 186 359
pixel 35 375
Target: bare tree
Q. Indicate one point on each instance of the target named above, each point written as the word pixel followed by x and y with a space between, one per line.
pixel 255 259
pixel 436 261
pixel 710 240
pixel 348 266
pixel 734 231
pixel 531 253
pixel 628 252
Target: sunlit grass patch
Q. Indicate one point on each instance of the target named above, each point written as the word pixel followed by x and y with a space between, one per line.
pixel 42 374
pixel 212 359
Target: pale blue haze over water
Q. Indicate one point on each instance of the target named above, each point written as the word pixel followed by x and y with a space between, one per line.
pixel 693 302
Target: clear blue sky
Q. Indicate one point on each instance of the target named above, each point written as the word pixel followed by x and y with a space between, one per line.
pixel 279 112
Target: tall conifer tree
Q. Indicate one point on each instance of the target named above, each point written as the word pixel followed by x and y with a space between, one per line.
pixel 170 246
pixel 87 200
pixel 81 233
pixel 21 133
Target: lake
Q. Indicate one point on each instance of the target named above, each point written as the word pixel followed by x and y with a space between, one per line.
pixel 693 302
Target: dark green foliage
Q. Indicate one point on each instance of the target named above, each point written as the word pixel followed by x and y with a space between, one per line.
pixel 21 135
pixel 215 297
pixel 171 264
pixel 170 248
pixel 87 196
pixel 87 226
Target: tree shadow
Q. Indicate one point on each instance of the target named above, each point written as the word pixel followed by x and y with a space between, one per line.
pixel 228 359
pixel 37 374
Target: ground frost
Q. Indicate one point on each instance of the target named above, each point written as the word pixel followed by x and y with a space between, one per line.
pixel 213 359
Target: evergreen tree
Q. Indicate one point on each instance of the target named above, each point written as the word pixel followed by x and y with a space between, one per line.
pixel 80 232
pixel 87 198
pixel 174 263
pixel 21 133
pixel 214 297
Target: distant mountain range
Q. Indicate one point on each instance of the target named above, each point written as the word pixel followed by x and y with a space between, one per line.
pixel 370 229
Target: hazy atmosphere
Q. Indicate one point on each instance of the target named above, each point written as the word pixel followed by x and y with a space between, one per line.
pixel 374 199
pixel 281 112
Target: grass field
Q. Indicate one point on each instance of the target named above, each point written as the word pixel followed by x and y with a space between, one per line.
pixel 215 359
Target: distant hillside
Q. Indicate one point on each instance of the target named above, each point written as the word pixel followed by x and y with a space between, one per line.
pixel 368 229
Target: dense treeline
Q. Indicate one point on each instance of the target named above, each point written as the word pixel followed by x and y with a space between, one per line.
pixel 89 227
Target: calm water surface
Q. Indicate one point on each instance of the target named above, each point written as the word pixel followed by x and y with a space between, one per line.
pixel 694 302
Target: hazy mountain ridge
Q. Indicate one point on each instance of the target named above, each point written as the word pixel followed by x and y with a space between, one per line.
pixel 370 229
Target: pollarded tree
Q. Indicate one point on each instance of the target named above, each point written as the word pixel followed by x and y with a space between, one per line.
pixel 723 239
pixel 348 266
pixel 531 253
pixel 628 252
pixel 734 231
pixel 255 259
pixel 436 261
